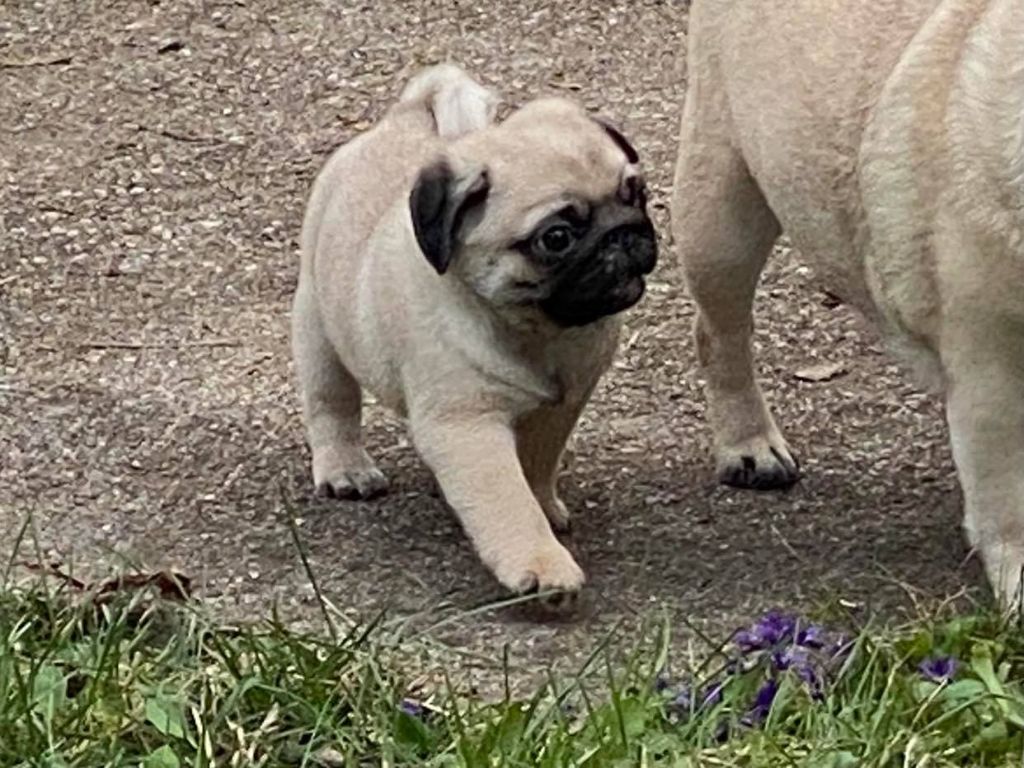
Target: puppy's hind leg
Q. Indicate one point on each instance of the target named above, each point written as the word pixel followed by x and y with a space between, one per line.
pixel 540 441
pixel 724 232
pixel 331 408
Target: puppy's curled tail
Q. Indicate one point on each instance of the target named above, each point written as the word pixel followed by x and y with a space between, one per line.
pixel 458 103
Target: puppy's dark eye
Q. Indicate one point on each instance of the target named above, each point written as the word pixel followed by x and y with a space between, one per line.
pixel 557 239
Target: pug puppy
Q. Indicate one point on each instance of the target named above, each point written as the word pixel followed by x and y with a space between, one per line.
pixel 887 140
pixel 470 275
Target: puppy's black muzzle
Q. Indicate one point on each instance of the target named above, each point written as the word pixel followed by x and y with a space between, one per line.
pixel 606 281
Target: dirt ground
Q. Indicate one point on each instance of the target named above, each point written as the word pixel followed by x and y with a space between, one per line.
pixel 155 158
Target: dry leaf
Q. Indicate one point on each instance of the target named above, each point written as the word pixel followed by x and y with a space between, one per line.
pixel 170 585
pixel 821 372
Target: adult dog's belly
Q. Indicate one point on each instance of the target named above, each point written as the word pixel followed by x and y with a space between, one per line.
pixel 802 79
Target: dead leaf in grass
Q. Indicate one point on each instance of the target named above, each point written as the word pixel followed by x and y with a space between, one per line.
pixel 148 596
pixel 169 585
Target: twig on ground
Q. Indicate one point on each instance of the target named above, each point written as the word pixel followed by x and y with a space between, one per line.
pixel 785 543
pixel 182 137
pixel 10 389
pixel 116 344
pixel 35 63
pixel 53 569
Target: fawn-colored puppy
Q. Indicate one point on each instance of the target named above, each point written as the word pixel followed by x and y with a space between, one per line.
pixel 470 275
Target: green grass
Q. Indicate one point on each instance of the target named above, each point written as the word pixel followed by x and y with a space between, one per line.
pixel 141 682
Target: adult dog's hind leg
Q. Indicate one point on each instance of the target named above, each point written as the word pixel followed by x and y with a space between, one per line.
pixel 984 364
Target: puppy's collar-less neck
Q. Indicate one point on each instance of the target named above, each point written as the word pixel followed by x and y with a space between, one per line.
pixel 499 351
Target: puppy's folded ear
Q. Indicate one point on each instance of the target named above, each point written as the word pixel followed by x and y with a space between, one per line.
pixel 439 202
pixel 632 156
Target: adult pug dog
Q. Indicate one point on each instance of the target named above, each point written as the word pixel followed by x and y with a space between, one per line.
pixel 887 139
pixel 469 274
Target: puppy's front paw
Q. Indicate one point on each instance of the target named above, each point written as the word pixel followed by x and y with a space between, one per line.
pixel 351 477
pixel 545 568
pixel 762 463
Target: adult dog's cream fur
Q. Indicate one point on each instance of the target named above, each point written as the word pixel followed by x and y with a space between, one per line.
pixel 886 138
pixel 434 275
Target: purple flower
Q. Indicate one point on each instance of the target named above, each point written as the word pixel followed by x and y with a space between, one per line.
pixel 777 644
pixel 794 656
pixel 686 700
pixel 411 708
pixel 771 630
pixel 812 636
pixel 762 703
pixel 939 669
pixel 712 695
pixel 765 697
pixel 682 702
pixel 802 663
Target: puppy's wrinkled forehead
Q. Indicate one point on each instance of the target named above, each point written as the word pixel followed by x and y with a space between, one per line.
pixel 551 149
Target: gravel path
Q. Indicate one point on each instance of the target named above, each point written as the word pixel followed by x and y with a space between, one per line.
pixel 155 158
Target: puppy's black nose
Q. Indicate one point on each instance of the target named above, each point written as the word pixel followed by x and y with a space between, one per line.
pixel 636 245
